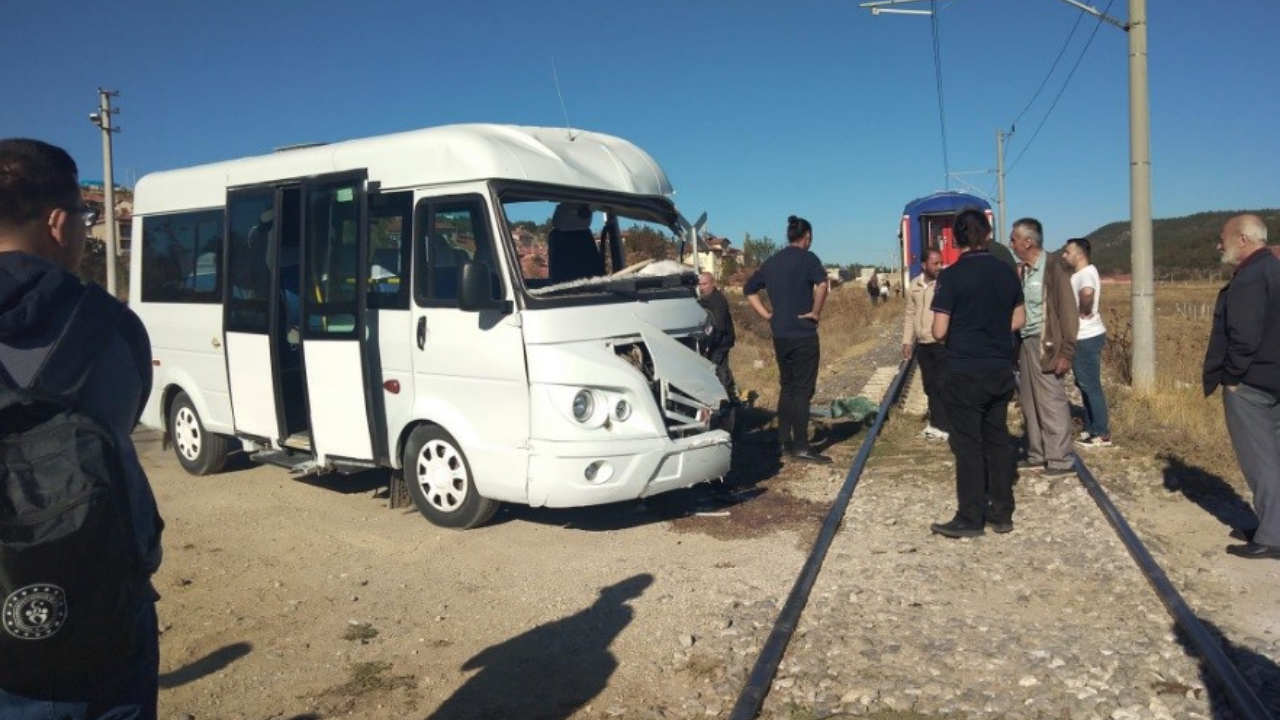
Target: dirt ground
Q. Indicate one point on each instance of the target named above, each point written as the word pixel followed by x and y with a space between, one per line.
pixel 311 599
pixel 286 599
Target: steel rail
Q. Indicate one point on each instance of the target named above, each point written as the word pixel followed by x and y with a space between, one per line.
pixel 751 698
pixel 1245 702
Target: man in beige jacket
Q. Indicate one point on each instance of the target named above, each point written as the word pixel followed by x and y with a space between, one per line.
pixel 917 331
pixel 1048 346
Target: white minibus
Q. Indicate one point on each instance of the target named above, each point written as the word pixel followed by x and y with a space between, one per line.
pixel 453 303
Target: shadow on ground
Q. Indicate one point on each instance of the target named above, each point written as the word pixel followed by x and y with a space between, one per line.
pixel 207 665
pixel 1211 492
pixel 551 671
pixel 1260 674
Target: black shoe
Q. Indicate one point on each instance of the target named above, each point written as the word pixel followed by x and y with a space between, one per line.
pixel 957 528
pixel 1026 466
pixel 810 456
pixel 1239 534
pixel 1254 551
pixel 1053 472
pixel 1000 527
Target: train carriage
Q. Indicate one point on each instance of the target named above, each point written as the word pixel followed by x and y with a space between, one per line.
pixel 927 221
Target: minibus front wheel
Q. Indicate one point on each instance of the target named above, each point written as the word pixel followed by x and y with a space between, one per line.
pixel 199 452
pixel 440 481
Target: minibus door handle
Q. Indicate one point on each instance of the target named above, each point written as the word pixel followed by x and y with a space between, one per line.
pixel 422 332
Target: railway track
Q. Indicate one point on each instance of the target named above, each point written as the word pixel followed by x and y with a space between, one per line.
pixel 1244 703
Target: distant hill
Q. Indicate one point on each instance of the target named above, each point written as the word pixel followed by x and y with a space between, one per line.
pixel 1184 246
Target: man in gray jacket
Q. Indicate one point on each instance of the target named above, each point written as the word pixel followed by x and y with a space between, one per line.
pixel 43 229
pixel 1048 346
pixel 1244 359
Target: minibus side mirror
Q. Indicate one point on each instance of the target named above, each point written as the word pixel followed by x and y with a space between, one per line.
pixel 475 288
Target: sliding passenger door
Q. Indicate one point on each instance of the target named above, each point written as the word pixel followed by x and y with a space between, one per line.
pixel 248 309
pixel 334 309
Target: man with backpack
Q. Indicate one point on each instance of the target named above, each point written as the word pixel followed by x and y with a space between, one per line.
pixel 79 529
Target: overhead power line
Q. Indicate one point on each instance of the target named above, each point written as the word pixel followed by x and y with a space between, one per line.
pixel 1065 44
pixel 937 74
pixel 1062 89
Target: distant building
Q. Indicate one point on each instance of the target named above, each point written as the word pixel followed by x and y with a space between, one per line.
pixel 93 193
pixel 711 254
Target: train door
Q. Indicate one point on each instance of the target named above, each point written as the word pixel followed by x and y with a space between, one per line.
pixel 935 232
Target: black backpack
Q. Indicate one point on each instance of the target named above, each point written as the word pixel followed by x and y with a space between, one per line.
pixel 71 575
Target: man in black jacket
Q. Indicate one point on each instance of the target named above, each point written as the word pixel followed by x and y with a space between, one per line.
pixel 42 238
pixel 1244 358
pixel 976 309
pixel 797 287
pixel 719 330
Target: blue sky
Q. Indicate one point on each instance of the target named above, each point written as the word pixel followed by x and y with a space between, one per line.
pixel 757 110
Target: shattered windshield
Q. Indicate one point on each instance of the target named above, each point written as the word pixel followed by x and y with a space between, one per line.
pixel 592 246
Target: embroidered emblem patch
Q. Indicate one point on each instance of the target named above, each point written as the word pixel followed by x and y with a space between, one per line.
pixel 35 612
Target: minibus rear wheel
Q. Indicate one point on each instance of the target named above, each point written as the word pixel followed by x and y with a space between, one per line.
pixel 199 452
pixel 440 481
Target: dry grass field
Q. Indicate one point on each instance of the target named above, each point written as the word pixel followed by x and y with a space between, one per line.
pixel 1175 423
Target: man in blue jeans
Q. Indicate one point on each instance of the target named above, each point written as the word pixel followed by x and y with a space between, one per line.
pixel 1086 366
pixel 42 238
pixel 1243 358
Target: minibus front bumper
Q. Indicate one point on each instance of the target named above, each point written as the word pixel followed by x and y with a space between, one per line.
pixel 573 474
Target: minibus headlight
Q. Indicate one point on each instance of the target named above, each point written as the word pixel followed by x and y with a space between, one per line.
pixel 584 406
pixel 622 410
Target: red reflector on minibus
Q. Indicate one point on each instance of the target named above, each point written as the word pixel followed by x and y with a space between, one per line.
pixel 156 363
pixel 392 386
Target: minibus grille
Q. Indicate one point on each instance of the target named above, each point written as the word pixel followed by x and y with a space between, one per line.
pixel 683 414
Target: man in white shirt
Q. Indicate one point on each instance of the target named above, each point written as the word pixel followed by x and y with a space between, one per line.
pixel 1087 364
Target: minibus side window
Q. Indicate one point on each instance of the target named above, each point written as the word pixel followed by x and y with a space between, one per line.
pixel 252 229
pixel 390 220
pixel 450 234
pixel 182 257
pixel 332 248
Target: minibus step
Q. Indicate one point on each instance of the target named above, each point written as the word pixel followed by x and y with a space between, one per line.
pixel 297 463
pixel 299 441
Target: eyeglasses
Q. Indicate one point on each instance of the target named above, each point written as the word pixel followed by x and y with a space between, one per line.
pixel 87 214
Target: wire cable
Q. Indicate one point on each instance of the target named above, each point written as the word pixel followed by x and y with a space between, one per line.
pixel 1061 90
pixel 942 110
pixel 1066 43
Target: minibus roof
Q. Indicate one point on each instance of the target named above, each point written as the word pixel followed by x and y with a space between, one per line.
pixel 430 156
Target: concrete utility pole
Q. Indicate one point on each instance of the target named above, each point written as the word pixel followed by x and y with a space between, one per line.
pixel 102 119
pixel 1142 243
pixel 1001 217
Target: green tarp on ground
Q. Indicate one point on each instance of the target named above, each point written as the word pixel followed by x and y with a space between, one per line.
pixel 858 409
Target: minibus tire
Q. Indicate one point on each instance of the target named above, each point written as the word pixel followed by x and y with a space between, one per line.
pixel 199 452
pixel 455 504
